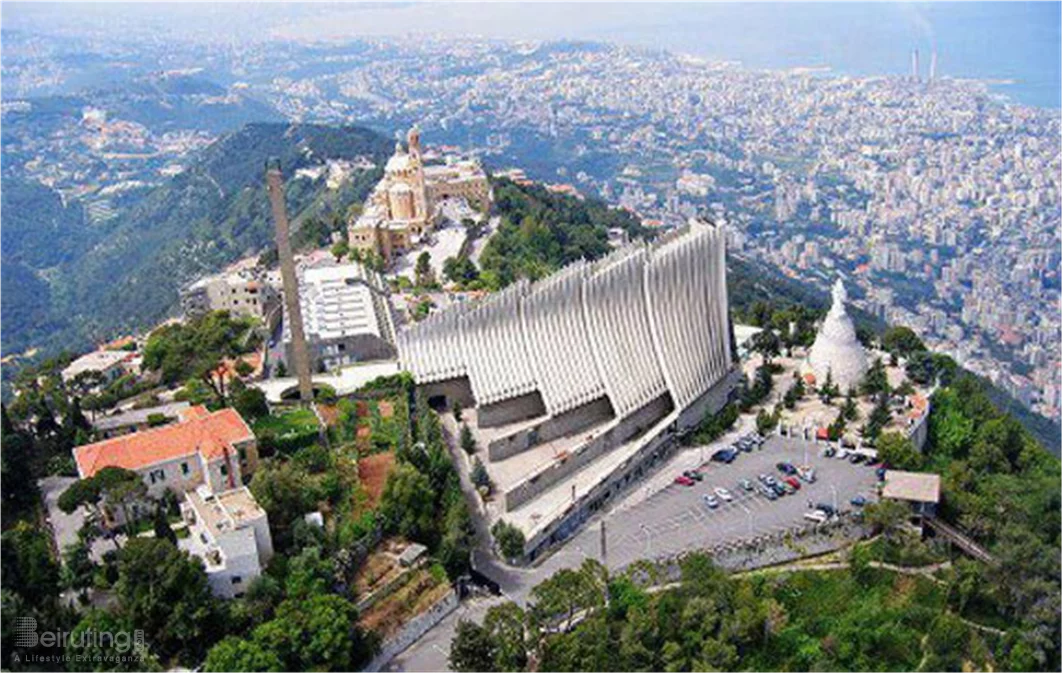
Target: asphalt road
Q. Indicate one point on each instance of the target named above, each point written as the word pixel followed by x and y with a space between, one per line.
pixel 672 520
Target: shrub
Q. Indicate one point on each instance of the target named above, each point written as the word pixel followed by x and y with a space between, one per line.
pixel 480 477
pixel 468 442
pixel 509 538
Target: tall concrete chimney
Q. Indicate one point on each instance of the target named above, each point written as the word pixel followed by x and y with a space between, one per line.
pixel 275 184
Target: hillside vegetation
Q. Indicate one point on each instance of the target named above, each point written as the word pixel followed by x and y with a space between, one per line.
pixel 210 215
pixel 541 231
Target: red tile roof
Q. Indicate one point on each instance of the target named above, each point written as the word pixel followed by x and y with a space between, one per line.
pixel 199 431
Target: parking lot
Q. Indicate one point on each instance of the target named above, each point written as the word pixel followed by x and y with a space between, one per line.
pixel 671 520
pixel 676 519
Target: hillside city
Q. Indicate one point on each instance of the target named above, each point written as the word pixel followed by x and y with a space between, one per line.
pixel 393 354
pixel 900 183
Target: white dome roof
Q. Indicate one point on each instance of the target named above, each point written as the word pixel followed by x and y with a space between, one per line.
pixel 836 349
pixel 397 163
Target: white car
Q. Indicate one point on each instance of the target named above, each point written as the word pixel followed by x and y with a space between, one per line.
pixel 710 501
pixel 843 454
pixel 818 516
pixel 723 493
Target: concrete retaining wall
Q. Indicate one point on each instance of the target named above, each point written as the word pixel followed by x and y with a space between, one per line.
pixel 657 445
pixel 454 390
pixel 918 432
pixel 617 433
pixel 510 411
pixel 710 402
pixel 412 631
pixel 568 423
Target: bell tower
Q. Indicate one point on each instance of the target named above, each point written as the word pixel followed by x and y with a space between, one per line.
pixel 413 141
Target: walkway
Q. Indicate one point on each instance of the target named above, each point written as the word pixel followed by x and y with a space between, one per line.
pixel 961 540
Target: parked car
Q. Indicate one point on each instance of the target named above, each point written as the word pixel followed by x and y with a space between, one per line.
pixel 788 488
pixel 806 473
pixel 724 456
pixel 683 480
pixel 723 493
pixel 826 508
pixel 779 489
pixel 786 468
pixel 829 452
pixel 768 493
pixel 794 482
pixel 858 501
pixel 711 501
pixel 856 458
pixel 763 478
pixel 693 474
pixel 745 484
pixel 818 516
pixel 771 481
pixel 843 454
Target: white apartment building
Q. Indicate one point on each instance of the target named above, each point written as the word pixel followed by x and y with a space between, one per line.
pixel 229 531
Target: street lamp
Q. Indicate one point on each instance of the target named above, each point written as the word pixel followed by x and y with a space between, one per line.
pixel 749 513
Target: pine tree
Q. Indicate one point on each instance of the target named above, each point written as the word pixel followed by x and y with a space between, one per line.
pixel 468 442
pixel 162 526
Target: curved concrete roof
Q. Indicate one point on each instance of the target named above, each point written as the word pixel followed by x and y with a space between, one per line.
pixel 642 321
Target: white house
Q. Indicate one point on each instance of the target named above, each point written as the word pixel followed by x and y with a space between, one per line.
pixel 229 531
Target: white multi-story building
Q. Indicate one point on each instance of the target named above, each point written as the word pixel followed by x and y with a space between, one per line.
pixel 203 457
pixel 110 365
pixel 229 531
pixel 203 447
pixel 346 316
pixel 240 291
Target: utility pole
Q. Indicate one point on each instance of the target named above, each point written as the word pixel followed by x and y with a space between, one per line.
pixel 604 546
pixel 275 186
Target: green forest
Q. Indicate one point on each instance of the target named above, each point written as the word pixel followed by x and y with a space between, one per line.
pixel 541 231
pixel 127 275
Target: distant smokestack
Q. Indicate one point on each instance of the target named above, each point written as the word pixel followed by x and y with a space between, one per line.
pixel 914 65
pixel 933 66
pixel 275 184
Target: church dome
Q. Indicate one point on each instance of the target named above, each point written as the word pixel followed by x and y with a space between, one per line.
pixel 397 164
pixel 836 349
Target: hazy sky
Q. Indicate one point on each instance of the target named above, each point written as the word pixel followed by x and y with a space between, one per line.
pixel 1016 41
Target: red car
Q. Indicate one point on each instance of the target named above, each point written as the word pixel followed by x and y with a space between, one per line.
pixel 793 481
pixel 683 480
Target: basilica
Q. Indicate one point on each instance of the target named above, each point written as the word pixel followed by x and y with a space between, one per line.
pixel 406 204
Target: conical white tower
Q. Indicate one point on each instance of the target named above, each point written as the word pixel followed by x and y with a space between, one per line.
pixel 836 349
